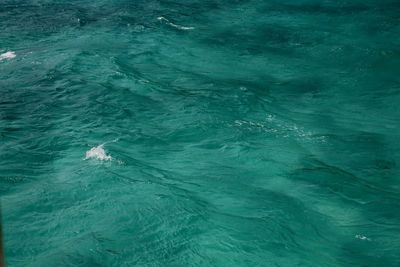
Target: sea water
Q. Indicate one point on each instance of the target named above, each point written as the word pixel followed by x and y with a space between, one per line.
pixel 200 132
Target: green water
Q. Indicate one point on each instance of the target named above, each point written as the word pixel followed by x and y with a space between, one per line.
pixel 235 133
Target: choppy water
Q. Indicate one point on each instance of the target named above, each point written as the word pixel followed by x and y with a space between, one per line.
pixel 200 133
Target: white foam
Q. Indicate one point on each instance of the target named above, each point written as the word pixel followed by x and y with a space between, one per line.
pixel 98 152
pixel 8 55
pixel 361 237
pixel 179 27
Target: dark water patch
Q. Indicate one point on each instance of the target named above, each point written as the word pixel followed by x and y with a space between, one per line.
pixel 330 8
pixel 275 39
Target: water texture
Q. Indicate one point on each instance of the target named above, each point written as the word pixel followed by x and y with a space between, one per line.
pixel 200 133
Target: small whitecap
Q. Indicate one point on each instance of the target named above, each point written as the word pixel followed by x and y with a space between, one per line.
pixel 8 55
pixel 179 27
pixel 98 153
pixel 362 237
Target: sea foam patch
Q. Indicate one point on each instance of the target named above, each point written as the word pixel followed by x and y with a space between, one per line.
pixel 98 153
pixel 7 55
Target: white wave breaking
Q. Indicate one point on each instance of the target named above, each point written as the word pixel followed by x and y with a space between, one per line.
pixel 98 153
pixel 179 27
pixel 362 237
pixel 7 55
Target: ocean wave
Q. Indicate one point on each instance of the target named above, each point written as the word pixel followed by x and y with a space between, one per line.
pixel 7 55
pixel 179 27
pixel 362 237
pixel 98 153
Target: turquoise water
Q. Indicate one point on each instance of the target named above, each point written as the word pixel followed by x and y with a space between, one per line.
pixel 200 133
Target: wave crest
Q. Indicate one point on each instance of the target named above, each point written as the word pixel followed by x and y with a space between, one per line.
pixel 179 27
pixel 8 55
pixel 98 152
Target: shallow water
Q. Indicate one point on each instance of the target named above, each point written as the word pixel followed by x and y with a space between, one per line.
pixel 219 133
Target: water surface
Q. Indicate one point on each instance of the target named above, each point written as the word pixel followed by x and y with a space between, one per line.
pixel 200 133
